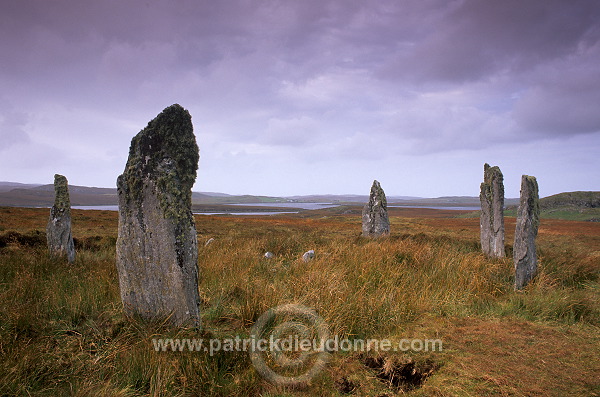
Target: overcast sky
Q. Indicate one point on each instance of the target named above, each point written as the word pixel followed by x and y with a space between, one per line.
pixel 302 96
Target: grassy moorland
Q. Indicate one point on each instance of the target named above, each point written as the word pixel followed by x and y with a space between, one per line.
pixel 62 331
pixel 574 206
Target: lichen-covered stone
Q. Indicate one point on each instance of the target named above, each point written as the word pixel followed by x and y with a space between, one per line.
pixel 491 221
pixel 375 221
pixel 157 247
pixel 58 230
pixel 528 216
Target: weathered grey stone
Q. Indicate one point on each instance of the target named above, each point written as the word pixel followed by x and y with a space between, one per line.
pixel 375 221
pixel 269 255
pixel 491 222
pixel 528 216
pixel 308 255
pixel 58 230
pixel 157 247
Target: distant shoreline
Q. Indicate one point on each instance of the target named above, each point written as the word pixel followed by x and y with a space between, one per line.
pixel 265 209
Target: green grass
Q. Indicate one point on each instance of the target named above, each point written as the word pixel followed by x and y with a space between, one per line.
pixel 572 214
pixel 565 213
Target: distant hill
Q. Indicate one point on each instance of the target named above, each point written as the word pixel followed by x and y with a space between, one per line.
pixel 43 196
pixel 571 199
pixel 450 201
pixel 23 195
pixel 579 206
pixel 32 195
pixel 19 194
pixel 570 205
pixel 222 198
pixel 343 198
pixel 8 186
pixel 575 206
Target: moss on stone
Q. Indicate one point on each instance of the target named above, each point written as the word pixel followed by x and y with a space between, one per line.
pixel 58 230
pixel 533 201
pixel 62 202
pixel 524 247
pixel 375 221
pixel 491 198
pixel 491 175
pixel 157 243
pixel 166 153
pixel 378 193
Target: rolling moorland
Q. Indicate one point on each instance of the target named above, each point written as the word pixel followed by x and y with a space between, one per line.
pixel 62 330
pixel 582 206
pixel 21 195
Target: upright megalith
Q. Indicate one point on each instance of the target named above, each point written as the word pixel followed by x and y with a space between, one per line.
pixel 157 247
pixel 528 220
pixel 58 230
pixel 491 222
pixel 375 221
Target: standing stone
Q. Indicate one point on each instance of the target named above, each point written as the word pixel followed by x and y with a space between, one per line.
pixel 528 220
pixel 58 231
pixel 375 220
pixel 157 247
pixel 491 222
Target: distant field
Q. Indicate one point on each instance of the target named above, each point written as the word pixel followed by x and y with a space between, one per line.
pixel 567 213
pixel 62 330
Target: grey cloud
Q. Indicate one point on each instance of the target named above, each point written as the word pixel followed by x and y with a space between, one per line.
pixel 564 96
pixel 319 80
pixel 293 132
pixel 12 126
pixel 478 39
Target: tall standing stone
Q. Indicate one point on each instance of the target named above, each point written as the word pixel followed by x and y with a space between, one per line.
pixel 157 247
pixel 491 222
pixel 528 216
pixel 375 221
pixel 58 230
